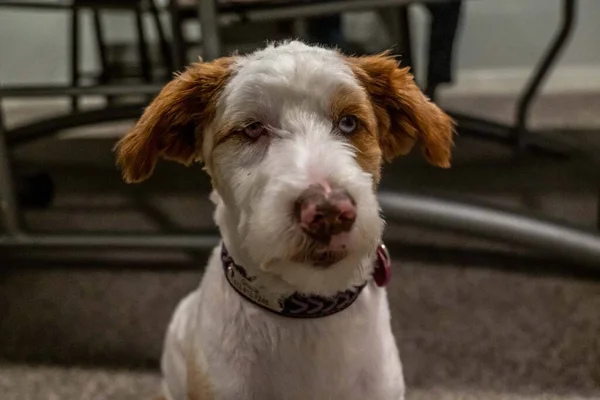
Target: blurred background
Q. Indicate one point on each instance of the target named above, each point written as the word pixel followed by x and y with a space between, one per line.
pixel 495 292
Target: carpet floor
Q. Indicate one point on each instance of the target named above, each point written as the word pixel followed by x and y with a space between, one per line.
pixel 44 383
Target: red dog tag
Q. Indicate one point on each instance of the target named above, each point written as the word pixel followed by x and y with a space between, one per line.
pixel 383 266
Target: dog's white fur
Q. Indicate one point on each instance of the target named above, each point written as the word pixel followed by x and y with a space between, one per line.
pixel 245 352
pixel 219 345
pixel 257 191
pixel 248 353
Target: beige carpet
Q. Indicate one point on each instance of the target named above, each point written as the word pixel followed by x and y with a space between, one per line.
pixel 463 331
pixel 43 383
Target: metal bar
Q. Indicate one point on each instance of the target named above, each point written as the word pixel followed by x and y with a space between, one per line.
pixel 143 54
pixel 2 124
pixel 9 209
pixel 539 142
pixel 407 59
pixel 554 238
pixel 312 10
pixel 546 63
pixel 74 48
pixel 50 127
pixel 467 126
pixel 162 39
pixel 300 28
pixel 481 128
pixel 570 243
pixel 158 242
pixel 266 13
pixel 99 90
pixel 43 5
pixel 102 53
pixel 598 211
pixel 178 44
pixel 102 56
pixel 391 19
pixel 209 25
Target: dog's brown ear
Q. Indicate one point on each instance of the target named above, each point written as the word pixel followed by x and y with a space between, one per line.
pixel 172 125
pixel 405 115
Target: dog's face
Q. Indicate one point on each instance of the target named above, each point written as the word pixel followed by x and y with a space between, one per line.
pixel 293 138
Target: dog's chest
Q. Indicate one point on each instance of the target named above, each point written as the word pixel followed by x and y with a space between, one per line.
pixel 350 355
pixel 312 362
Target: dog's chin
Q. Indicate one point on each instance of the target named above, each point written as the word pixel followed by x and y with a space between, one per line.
pixel 312 267
pixel 320 257
pixel 322 252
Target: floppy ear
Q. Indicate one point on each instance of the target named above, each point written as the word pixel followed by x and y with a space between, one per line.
pixel 172 125
pixel 405 115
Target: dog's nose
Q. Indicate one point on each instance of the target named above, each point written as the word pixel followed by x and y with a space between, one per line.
pixel 323 211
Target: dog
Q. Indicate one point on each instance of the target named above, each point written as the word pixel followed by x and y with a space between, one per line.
pixel 293 138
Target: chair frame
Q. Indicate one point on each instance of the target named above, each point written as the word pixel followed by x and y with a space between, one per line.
pixel 570 243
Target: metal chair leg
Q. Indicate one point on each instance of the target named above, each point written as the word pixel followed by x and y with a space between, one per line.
pixel 444 26
pixel 405 31
pixel 142 46
pixel 598 211
pixel 207 10
pixel 9 209
pixel 102 55
pixel 74 62
pixel 3 128
pixel 545 65
pixel 390 18
pixel 162 40
pixel 178 44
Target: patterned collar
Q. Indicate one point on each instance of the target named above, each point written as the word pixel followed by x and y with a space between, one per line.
pixel 298 305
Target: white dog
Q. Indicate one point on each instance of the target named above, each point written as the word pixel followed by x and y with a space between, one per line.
pixel 291 305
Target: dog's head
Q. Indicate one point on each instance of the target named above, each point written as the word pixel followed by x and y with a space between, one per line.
pixel 293 138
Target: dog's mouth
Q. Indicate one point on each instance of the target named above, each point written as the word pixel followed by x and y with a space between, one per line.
pixel 321 259
pixel 322 253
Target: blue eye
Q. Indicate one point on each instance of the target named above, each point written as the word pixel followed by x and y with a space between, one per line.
pixel 348 124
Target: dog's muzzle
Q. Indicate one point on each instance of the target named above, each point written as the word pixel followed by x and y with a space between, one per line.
pixel 325 211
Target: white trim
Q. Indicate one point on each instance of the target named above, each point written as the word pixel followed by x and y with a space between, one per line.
pixel 510 81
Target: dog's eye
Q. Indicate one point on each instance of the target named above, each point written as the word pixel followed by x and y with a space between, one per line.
pixel 348 124
pixel 254 130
